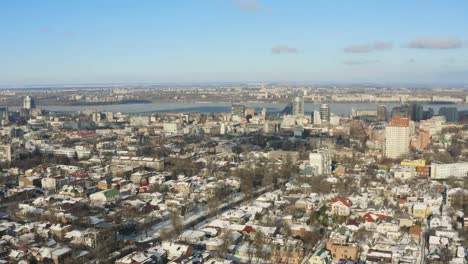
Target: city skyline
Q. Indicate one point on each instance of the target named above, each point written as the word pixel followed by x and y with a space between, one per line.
pixel 51 42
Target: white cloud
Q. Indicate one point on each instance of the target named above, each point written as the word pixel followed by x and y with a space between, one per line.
pixel 369 47
pixel 283 49
pixel 436 43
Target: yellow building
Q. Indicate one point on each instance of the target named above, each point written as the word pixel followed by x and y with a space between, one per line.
pixel 413 163
pixel 421 210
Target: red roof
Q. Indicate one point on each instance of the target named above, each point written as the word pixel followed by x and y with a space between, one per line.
pixel 81 175
pixel 248 229
pixel 344 200
pixel 23 249
pixel 371 217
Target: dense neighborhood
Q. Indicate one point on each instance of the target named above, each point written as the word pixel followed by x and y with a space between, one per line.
pixel 378 186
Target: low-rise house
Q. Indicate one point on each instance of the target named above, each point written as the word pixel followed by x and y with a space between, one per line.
pixel 341 206
pixel 420 210
pixel 379 256
pixel 342 250
pixel 59 230
pixel 29 181
pixel 323 256
pixel 404 173
pixel 112 183
pixel 387 225
pixel 54 183
pixel 415 232
pixel 405 220
pixel 287 251
pixel 137 257
pixel 57 255
pixel 176 251
pixel 139 177
pixel 105 196
pixel 73 191
pixel 440 221
pixel 183 187
pixel 301 230
pixel 193 237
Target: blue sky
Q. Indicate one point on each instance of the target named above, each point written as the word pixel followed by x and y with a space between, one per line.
pixel 136 41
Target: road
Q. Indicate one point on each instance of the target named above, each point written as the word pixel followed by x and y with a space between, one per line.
pixel 317 248
pixel 424 241
pixel 191 219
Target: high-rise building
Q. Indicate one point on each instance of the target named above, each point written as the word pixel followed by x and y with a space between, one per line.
pixel 450 113
pixel 397 137
pixel 382 113
pixel 403 111
pixel 264 112
pixel 316 118
pixel 3 115
pixel 288 109
pixel 428 114
pixel 417 112
pixel 298 106
pixel 421 140
pixel 238 110
pixel 325 112
pixel 321 161
pixel 29 103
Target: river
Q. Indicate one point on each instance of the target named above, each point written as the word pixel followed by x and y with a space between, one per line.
pixel 272 108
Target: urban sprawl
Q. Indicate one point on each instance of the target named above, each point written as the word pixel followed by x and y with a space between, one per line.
pixel 381 185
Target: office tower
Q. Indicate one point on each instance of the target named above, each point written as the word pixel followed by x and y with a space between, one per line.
pixel 403 111
pixel 3 115
pixel 428 114
pixel 321 161
pixel 264 112
pixel 316 118
pixel 450 113
pixel 288 109
pixel 382 113
pixel 29 103
pixel 416 112
pixel 238 110
pixel 397 137
pixel 298 106
pixel 325 112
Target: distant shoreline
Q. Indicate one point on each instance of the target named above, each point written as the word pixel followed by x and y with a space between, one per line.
pixel 106 103
pixel 183 107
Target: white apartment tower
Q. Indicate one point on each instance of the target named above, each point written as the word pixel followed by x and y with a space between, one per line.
pixel 316 118
pixel 325 112
pixel 321 161
pixel 397 138
pixel 298 106
pixel 29 103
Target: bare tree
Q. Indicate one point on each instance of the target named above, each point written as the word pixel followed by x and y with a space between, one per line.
pixel 259 243
pixel 177 224
pixel 246 183
pixel 213 205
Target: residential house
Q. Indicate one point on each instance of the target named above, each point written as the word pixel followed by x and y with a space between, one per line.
pixel 342 250
pixel 323 256
pixel 415 232
pixel 341 206
pixel 405 220
pixel 105 196
pixel 54 183
pixel 420 210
